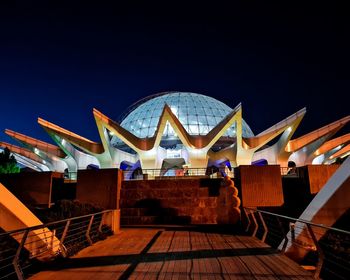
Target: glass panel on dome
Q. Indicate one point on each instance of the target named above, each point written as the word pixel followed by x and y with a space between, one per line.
pixel 157 112
pixel 138 132
pixel 218 113
pixel 132 116
pixel 203 129
pixel 193 129
pixel 217 119
pixel 186 126
pixel 143 133
pixel 142 114
pixel 202 120
pixel 192 119
pixel 154 121
pixel 200 110
pixel 182 119
pixel 211 120
pixel 182 111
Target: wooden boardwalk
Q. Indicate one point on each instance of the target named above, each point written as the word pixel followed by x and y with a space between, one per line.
pixel 146 253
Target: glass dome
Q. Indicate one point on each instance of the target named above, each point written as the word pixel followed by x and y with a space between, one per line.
pixel 196 112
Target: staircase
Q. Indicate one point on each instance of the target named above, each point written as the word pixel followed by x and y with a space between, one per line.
pixel 171 201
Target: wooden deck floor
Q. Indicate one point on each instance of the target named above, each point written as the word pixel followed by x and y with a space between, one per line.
pixel 175 254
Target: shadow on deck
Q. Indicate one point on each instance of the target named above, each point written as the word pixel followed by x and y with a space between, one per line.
pixel 177 253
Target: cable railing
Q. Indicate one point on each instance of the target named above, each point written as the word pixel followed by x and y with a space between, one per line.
pixel 20 250
pixel 290 171
pixel 322 249
pixel 156 174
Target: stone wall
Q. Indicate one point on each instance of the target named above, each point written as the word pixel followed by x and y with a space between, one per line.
pixel 100 187
pixel 185 201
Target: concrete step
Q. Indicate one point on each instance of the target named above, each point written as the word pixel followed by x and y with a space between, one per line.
pixel 148 212
pixel 194 215
pixel 155 220
pixel 169 202
pixel 172 183
pixel 157 193
pixel 139 193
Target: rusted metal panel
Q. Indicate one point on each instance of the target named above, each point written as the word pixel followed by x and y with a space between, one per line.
pixel 259 185
pixel 319 175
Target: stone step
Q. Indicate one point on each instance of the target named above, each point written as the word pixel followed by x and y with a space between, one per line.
pixel 148 212
pixel 139 193
pixel 170 202
pixel 172 183
pixel 154 220
pixel 198 215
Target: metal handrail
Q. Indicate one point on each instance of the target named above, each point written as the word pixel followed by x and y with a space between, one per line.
pixel 298 220
pixel 329 259
pixel 178 172
pixel 52 223
pixel 48 241
pixel 284 172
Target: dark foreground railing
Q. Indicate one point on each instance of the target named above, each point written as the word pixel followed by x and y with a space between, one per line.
pixel 324 249
pixel 21 249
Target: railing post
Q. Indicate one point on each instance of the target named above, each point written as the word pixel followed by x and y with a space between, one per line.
pixel 256 226
pixel 52 237
pixel 292 231
pixel 15 262
pixel 248 219
pixel 284 234
pixel 319 251
pixel 64 234
pixel 101 223
pixel 87 234
pixel 264 226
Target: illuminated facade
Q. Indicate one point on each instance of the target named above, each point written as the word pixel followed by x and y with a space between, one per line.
pixel 173 129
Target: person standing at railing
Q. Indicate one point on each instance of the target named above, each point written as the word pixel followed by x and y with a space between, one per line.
pixel 185 170
pixel 292 168
pixel 224 170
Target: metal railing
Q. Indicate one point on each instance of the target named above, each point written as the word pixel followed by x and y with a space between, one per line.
pixel 290 171
pixel 156 174
pixel 151 174
pixel 20 249
pixel 323 249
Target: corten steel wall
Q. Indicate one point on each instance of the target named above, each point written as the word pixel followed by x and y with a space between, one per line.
pixel 32 188
pixel 183 201
pixel 259 185
pixel 316 176
pixel 100 187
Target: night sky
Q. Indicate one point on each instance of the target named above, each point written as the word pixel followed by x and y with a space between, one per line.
pixel 58 61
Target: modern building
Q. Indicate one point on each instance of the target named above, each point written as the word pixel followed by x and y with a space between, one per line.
pixel 170 130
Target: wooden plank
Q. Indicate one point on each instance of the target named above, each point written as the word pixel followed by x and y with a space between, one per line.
pixel 176 254
pixel 234 268
pixel 163 243
pixel 257 268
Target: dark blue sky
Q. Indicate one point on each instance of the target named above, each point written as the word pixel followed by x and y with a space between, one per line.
pixel 60 61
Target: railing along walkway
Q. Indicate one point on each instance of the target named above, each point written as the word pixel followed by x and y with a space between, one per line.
pixel 175 253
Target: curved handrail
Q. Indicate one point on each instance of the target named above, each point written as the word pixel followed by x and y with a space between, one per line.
pixel 51 223
pixel 299 220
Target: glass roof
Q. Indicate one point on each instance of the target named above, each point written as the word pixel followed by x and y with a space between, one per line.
pixel 197 113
